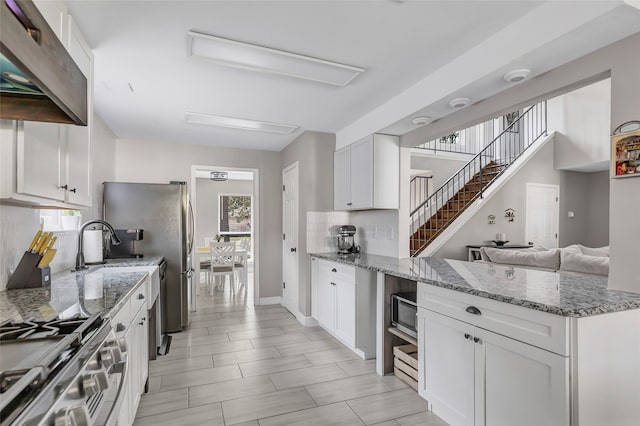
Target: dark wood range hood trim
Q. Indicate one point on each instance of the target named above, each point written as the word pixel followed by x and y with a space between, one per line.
pixel 47 64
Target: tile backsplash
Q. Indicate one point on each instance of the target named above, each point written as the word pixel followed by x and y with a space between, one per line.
pixel 377 231
pixel 18 225
pixel 322 228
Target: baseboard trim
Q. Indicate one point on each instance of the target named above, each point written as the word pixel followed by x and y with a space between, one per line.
pixel 270 300
pixel 306 321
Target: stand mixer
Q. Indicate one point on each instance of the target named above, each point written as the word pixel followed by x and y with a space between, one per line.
pixel 346 244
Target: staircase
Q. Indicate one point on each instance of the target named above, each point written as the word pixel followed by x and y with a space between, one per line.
pixel 434 215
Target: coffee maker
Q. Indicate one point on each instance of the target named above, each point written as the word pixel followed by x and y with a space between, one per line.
pixel 346 243
pixel 128 246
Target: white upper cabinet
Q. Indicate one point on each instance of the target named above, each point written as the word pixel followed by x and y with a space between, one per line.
pixel 55 13
pixel 367 174
pixel 49 164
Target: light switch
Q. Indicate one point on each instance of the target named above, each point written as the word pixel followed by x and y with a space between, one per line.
pixel 570 214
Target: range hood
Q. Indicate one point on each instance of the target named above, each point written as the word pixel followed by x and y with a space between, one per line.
pixel 39 79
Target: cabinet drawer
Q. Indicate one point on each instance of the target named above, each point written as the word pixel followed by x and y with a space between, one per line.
pixel 121 319
pixel 140 295
pixel 541 329
pixel 333 271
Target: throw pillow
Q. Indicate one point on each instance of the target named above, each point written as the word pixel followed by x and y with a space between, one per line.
pixel 598 265
pixel 597 251
pixel 544 259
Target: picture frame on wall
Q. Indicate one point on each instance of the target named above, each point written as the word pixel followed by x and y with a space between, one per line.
pixel 509 119
pixel 625 150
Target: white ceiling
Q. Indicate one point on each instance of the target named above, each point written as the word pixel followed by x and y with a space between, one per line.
pixel 143 43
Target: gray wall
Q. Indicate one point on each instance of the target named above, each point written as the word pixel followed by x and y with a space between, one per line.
pixel 598 209
pixel 441 168
pixel 158 162
pixel 207 195
pixel 582 122
pixel 314 153
pixel 574 190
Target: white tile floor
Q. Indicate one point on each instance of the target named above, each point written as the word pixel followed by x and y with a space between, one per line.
pixel 240 364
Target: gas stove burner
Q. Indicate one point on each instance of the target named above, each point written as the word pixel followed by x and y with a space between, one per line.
pixel 39 329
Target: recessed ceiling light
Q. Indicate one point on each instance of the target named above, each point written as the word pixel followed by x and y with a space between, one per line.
pixel 516 76
pixel 459 102
pixel 419 121
pixel 239 123
pixel 238 54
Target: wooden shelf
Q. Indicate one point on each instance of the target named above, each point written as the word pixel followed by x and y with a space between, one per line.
pixel 402 335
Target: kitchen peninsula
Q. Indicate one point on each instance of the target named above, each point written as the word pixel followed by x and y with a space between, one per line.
pixel 504 345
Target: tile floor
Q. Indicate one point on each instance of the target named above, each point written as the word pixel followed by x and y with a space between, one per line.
pixel 240 364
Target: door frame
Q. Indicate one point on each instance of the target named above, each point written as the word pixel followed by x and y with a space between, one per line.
pixel 526 208
pixel 292 166
pixel 255 217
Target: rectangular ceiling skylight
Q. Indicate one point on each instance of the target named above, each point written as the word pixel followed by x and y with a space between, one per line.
pixel 258 58
pixel 239 123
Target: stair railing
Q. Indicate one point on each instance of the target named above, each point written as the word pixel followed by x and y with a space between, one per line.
pixel 432 216
pixel 466 141
pixel 418 190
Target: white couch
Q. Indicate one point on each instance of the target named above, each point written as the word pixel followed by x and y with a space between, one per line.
pixel 574 258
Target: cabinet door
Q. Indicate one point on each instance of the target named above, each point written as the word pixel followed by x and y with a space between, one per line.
pixel 77 161
pixel 140 327
pixel 326 305
pixel 128 409
pixel 362 173
pixel 446 366
pixel 517 383
pixel 342 179
pixel 346 311
pixel 40 160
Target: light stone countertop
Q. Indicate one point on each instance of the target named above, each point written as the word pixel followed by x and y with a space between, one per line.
pixel 561 293
pixel 95 290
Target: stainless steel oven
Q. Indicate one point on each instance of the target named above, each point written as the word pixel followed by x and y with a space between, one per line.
pixel 404 313
pixel 62 372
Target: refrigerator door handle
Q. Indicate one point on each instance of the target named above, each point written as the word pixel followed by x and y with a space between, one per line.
pixel 191 226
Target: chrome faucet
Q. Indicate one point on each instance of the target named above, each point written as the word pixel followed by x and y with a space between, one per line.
pixel 80 256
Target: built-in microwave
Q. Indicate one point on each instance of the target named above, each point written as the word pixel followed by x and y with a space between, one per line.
pixel 403 313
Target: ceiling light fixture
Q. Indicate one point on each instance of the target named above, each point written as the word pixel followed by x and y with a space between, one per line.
pixel 419 121
pixel 239 123
pixel 238 54
pixel 459 102
pixel 516 76
pixel 219 176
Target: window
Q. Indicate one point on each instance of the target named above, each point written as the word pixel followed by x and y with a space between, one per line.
pixel 235 214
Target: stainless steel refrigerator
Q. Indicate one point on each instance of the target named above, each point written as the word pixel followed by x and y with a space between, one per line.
pixel 164 213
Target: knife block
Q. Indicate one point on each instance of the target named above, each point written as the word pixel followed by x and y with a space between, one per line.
pixel 27 273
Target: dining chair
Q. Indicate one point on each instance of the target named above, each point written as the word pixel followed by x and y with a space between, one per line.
pixel 205 261
pixel 223 256
pixel 240 264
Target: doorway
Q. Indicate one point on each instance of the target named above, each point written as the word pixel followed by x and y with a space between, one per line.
pixel 290 238
pixel 542 214
pixel 226 205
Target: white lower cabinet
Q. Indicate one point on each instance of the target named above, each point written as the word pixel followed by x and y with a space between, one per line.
pixel 337 303
pixel 473 376
pixel 130 322
pixel 343 303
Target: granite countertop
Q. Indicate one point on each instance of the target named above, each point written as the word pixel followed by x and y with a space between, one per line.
pixel 96 290
pixel 142 261
pixel 561 293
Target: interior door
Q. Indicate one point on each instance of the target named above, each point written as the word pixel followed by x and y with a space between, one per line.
pixel 290 238
pixel 542 214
